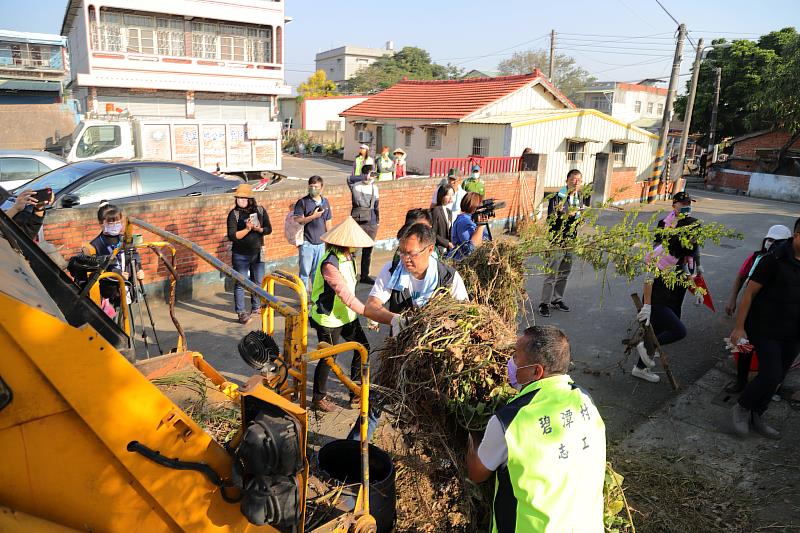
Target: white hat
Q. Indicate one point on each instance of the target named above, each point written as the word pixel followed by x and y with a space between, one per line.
pixel 399 151
pixel 348 234
pixel 778 232
pixel 363 147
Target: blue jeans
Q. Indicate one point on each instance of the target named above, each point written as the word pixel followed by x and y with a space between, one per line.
pixel 310 256
pixel 248 266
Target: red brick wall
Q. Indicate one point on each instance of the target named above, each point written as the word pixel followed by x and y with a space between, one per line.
pixel 730 180
pixel 202 219
pixel 771 140
pixel 624 187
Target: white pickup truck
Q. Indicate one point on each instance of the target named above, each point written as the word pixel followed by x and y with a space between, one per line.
pixel 244 148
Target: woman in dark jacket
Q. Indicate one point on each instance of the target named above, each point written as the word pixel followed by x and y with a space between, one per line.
pixel 247 224
pixel 443 219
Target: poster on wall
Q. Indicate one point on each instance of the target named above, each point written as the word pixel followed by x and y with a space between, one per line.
pixel 265 154
pixel 156 142
pixel 213 147
pixel 187 147
pixel 238 148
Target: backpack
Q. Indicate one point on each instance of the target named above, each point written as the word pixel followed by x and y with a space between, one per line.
pixel 292 230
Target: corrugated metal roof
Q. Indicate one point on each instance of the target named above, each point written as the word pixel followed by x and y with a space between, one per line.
pixel 443 99
pixel 30 85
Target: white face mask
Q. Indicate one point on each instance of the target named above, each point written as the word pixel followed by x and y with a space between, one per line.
pixel 476 175
pixel 112 228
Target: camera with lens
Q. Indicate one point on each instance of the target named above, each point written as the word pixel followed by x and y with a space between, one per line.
pixel 488 208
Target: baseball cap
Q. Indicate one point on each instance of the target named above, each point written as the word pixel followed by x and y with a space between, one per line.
pixel 453 173
pixel 682 197
pixel 363 147
pixel 778 232
pixel 476 167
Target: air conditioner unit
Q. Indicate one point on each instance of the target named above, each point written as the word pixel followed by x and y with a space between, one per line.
pixel 364 136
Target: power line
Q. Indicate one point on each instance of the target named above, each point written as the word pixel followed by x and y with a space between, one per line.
pixel 654 35
pixel 502 50
pixel 668 13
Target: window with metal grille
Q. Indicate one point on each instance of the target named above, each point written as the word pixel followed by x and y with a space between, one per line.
pixel 660 109
pixel 637 107
pixel 433 138
pixel 480 146
pixel 575 151
pixel 649 107
pixel 408 134
pixel 170 37
pixel 618 151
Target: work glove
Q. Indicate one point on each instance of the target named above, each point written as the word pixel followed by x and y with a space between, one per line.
pixel 644 314
pixel 372 325
pixel 398 324
pixel 699 299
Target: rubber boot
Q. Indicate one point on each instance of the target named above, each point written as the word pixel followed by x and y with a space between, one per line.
pixel 742 372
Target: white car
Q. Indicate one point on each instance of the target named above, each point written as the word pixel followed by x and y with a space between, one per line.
pixel 18 167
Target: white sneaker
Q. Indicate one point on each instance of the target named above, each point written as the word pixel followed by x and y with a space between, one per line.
pixel 645 374
pixel 642 351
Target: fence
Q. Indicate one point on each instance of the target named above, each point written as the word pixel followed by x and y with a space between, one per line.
pixel 489 165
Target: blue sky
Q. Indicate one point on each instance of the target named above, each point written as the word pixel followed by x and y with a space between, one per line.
pixel 622 40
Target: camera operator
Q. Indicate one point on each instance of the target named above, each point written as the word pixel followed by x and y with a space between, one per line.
pixel 469 231
pixel 28 211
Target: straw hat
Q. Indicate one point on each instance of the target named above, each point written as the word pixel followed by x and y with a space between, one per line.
pixel 244 190
pixel 399 151
pixel 348 234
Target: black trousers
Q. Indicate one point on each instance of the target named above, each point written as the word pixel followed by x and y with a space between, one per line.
pixel 366 253
pixel 775 357
pixel 350 332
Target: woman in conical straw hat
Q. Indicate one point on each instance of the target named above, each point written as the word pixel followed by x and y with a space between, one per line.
pixel 334 305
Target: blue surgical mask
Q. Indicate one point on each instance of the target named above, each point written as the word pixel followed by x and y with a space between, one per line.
pixel 686 210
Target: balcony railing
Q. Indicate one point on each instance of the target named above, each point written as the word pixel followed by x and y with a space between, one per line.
pixel 24 56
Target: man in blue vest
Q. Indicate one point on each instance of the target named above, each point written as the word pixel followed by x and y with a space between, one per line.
pixel 547 445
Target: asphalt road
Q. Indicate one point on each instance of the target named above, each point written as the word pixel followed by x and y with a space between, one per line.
pixel 601 313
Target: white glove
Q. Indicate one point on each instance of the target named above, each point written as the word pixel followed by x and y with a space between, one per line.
pixel 644 314
pixel 372 325
pixel 398 324
pixel 699 299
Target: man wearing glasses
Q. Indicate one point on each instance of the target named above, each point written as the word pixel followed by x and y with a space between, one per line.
pixel 411 279
pixel 547 445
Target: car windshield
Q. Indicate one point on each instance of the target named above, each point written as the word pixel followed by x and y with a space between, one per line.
pixel 61 177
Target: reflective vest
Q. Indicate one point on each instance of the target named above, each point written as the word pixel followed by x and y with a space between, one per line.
pixel 360 163
pixel 385 166
pixel 327 309
pixel 474 185
pixel 553 479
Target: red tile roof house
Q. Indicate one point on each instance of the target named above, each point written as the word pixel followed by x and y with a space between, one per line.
pixel 492 117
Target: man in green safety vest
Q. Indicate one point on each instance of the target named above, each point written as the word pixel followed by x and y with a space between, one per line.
pixel 547 445
pixel 474 183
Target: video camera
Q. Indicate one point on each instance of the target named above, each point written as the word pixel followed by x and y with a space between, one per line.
pixel 488 208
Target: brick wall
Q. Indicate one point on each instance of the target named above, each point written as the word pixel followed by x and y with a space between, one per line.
pixel 624 187
pixel 727 179
pixel 202 220
pixel 29 126
pixel 772 140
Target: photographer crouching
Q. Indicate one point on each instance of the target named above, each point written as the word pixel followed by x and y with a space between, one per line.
pixel 471 227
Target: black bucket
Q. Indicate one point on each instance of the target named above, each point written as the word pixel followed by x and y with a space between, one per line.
pixel 341 460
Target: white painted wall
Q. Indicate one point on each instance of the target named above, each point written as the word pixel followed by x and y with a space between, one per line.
pixel 550 138
pixel 496 133
pixel 78 44
pixel 525 99
pixel 774 186
pixel 318 111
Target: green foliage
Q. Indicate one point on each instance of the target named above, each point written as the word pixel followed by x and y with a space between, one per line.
pixel 293 138
pixel 758 89
pixel 614 502
pixel 315 86
pixel 410 62
pixel 568 77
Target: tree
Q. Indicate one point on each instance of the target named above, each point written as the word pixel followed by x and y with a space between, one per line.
pixel 316 85
pixel 757 89
pixel 567 76
pixel 410 62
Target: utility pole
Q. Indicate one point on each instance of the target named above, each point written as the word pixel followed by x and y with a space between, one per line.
pixel 552 54
pixel 658 165
pixel 711 155
pixel 687 119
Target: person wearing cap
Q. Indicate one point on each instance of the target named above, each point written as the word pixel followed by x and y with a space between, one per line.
pixel 399 163
pixel 363 158
pixel 365 211
pixel 662 305
pixel 334 305
pixel 474 183
pixel 411 278
pixel 248 222
pixel 768 318
pixel 564 210
pixel 775 234
pixel 384 165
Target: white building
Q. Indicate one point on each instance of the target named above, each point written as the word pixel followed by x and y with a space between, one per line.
pixel 639 103
pixel 177 58
pixel 496 117
pixel 343 63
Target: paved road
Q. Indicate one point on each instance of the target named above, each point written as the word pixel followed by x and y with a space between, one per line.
pixel 596 325
pixel 299 169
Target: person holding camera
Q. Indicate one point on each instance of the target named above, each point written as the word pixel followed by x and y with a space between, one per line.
pixel 28 210
pixel 469 229
pixel 248 222
pixel 563 217
pixel 365 212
